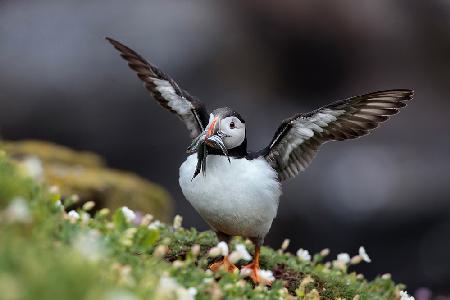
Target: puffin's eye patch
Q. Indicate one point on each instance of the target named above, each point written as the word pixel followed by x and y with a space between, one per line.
pixel 232 125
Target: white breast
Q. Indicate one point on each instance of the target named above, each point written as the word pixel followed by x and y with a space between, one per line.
pixel 240 198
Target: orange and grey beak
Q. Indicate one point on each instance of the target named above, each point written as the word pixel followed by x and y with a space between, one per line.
pixel 213 137
pixel 204 137
pixel 212 129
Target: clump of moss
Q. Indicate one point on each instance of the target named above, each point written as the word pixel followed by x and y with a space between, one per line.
pixel 48 253
pixel 86 175
pixel 51 153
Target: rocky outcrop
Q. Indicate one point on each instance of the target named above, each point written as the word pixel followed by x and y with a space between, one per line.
pixel 85 174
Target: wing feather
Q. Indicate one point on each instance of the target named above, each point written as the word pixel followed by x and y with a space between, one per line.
pixel 166 91
pixel 298 139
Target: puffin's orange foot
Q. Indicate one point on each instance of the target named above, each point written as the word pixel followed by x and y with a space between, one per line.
pixel 225 264
pixel 253 271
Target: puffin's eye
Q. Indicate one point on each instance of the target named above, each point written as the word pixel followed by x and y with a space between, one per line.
pixel 232 125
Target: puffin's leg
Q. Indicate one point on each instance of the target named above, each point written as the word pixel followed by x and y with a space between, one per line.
pixel 253 267
pixel 225 263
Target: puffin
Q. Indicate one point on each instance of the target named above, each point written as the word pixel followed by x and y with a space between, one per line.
pixel 237 191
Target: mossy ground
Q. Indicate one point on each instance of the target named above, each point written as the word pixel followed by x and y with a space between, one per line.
pixel 87 175
pixel 47 254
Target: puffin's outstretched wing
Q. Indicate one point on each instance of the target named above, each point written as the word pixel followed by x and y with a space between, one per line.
pixel 298 138
pixel 166 91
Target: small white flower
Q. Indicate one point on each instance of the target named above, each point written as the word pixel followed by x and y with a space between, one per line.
pixel 75 198
pixel 364 255
pixel 167 283
pixel 223 248
pixel 214 252
pixel 343 258
pixel 186 294
pixel 146 220
pixel 154 225
pixel 59 204
pixel 209 272
pixel 160 250
pixel 266 275
pixel 168 288
pixel 195 249
pixel 103 212
pixel 120 294
pixel 32 166
pixel 304 254
pixel 240 253
pixel 356 260
pixel 285 244
pixel 73 215
pixel 178 264
pixel 54 189
pixel 88 205
pixel 130 232
pixel 325 252
pixel 18 211
pixel 192 291
pixel 177 221
pixel 85 217
pixel 208 280
pixel 89 244
pixel 220 249
pixel 404 296
pixel 128 214
pixel 246 272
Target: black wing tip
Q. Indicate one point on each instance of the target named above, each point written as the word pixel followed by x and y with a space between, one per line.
pixel 410 94
pixel 113 41
pixel 118 45
pixel 404 94
pixel 127 53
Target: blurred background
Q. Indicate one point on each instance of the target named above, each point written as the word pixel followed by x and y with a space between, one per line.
pixel 60 81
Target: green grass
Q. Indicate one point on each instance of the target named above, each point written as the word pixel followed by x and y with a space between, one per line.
pixel 44 254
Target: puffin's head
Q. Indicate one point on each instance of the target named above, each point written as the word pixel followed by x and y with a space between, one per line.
pixel 225 127
pixel 224 135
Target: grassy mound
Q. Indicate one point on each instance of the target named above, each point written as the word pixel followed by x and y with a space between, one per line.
pixel 86 175
pixel 48 253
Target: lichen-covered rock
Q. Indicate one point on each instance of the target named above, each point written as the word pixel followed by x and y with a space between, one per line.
pixel 51 153
pixel 86 175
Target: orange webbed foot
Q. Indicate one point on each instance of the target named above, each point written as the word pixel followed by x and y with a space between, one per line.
pixel 224 264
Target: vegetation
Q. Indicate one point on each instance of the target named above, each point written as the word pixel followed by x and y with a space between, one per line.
pixel 85 174
pixel 48 253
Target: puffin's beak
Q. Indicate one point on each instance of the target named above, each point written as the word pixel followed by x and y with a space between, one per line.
pixel 203 138
pixel 212 129
pixel 213 137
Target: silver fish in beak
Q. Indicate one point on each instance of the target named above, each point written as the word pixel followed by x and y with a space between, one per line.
pixel 211 137
pixel 216 141
pixel 196 143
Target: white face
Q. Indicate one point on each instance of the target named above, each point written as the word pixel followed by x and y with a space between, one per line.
pixel 234 132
